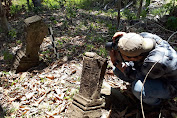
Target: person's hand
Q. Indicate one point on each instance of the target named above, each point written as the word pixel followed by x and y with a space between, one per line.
pixel 114 56
pixel 117 34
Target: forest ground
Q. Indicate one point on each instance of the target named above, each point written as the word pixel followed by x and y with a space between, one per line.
pixel 47 90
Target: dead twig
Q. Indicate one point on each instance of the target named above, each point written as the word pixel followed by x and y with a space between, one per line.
pixel 160 26
pixel 127 6
pixel 172 107
pixel 171 36
pixel 102 32
pixel 172 43
pixel 134 25
pixel 143 87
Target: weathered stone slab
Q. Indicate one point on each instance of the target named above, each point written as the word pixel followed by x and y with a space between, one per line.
pixel 88 103
pixel 36 31
pixel 76 112
pixel 27 56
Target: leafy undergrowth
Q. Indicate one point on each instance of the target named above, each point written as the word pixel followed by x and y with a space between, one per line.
pixel 48 92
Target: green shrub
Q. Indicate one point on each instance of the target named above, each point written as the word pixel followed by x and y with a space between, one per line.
pixel 112 13
pixel 172 23
pixel 18 42
pixel 14 9
pixel 99 40
pixel 7 56
pixel 102 52
pixel 128 14
pixel 163 10
pixel 53 4
pixel 144 13
pixel 159 11
pixel 12 33
pixel 70 12
pixel 89 47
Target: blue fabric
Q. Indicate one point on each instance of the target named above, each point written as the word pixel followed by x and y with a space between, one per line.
pixel 153 91
pixel 161 82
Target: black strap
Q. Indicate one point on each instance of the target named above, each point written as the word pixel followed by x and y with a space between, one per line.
pixel 117 61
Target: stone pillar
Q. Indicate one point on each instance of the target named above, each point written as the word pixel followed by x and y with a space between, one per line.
pixel 27 57
pixel 88 103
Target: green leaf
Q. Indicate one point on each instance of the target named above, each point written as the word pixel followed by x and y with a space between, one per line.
pixel 7 56
pixel 148 3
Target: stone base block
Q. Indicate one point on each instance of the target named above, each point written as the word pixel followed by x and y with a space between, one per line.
pixel 83 107
pixel 76 112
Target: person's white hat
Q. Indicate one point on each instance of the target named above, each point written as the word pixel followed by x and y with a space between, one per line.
pixel 132 44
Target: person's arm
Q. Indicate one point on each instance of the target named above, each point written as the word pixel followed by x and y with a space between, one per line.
pixel 115 59
pixel 115 54
pixel 127 73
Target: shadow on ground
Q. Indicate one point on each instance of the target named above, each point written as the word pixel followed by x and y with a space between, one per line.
pixel 2 114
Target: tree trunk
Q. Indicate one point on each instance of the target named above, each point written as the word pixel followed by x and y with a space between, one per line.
pixel 36 3
pixel 4 23
pixel 8 3
pixel 118 16
pixel 126 2
pixel 28 5
pixel 139 9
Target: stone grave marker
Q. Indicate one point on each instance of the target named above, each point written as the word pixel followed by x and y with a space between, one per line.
pixel 34 32
pixel 88 103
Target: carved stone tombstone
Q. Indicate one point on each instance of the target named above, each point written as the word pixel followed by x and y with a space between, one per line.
pixel 88 103
pixel 27 57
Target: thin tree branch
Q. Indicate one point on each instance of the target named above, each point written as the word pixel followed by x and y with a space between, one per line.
pixel 171 36
pixel 118 16
pixel 172 43
pixel 126 6
pixel 161 26
pixel 143 87
pixel 139 9
pixel 154 23
pixel 134 25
